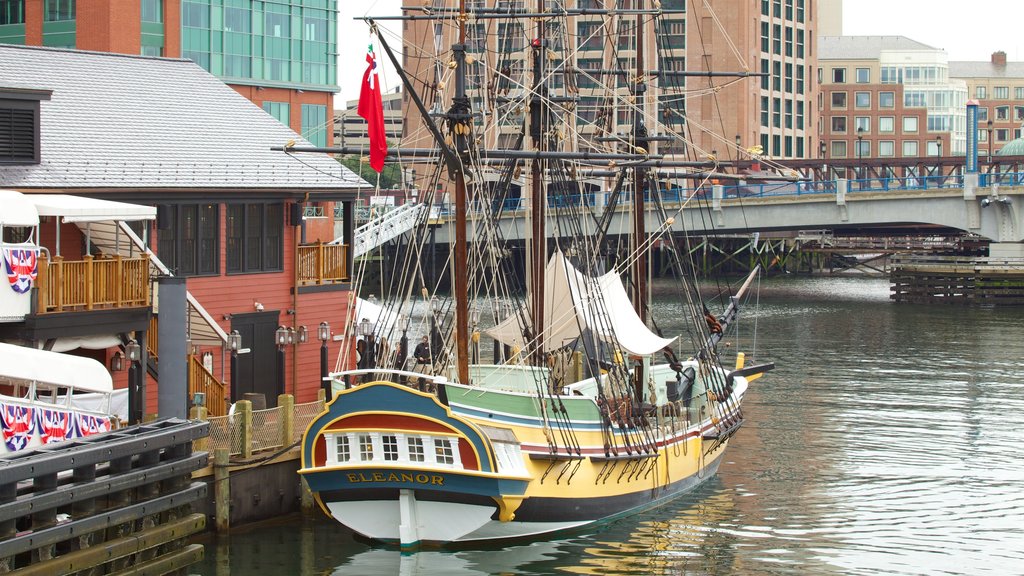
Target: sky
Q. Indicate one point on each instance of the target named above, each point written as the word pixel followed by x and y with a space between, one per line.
pixel 970 30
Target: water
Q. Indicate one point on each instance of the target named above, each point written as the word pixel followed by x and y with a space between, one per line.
pixel 887 441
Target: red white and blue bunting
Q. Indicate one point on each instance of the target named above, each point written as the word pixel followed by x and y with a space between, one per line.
pixel 21 424
pixel 22 267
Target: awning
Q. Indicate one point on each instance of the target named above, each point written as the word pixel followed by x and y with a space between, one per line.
pixel 81 209
pixel 21 364
pixel 18 210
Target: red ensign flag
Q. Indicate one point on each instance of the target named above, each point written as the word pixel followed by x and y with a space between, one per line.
pixel 371 109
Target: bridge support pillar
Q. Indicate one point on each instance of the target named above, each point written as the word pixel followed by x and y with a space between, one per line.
pixel 842 187
pixel 717 193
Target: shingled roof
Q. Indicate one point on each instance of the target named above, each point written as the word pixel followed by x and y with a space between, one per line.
pixel 864 47
pixel 118 121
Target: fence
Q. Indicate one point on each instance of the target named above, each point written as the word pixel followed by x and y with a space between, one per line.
pixel 245 431
pixel 323 263
pixel 92 283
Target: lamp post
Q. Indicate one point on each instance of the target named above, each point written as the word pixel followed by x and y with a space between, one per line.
pixel 403 344
pixel 281 338
pixel 938 145
pixel 990 143
pixel 234 344
pixel 860 152
pixel 369 358
pixel 822 150
pixel 323 333
pixel 133 352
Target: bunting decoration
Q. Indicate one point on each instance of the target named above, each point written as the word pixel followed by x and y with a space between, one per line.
pixel 22 266
pixel 87 425
pixel 18 425
pixel 53 425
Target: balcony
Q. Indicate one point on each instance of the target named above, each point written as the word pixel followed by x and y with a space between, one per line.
pixel 93 283
pixel 322 264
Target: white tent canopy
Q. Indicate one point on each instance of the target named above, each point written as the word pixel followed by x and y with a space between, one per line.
pixel 82 209
pixel 21 364
pixel 17 210
pixel 574 302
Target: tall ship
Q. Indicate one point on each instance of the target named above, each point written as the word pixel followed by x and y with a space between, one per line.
pixel 528 388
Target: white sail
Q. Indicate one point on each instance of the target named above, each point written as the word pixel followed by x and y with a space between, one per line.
pixel 574 302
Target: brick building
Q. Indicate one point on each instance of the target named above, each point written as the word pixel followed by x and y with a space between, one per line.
pixel 998 86
pixel 281 55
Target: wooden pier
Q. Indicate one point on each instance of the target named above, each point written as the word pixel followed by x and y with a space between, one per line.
pixel 958 280
pixel 116 503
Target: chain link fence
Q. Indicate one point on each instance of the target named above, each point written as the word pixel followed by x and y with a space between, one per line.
pixel 265 429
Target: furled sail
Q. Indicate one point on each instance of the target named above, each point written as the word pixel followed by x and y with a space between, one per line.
pixel 574 302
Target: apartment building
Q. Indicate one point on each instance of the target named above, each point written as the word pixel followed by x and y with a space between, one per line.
pixel 280 54
pixel 888 96
pixel 998 87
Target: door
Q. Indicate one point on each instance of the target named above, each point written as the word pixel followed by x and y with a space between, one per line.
pixel 258 368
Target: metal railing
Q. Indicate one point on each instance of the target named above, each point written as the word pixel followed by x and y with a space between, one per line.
pixel 323 263
pixel 92 283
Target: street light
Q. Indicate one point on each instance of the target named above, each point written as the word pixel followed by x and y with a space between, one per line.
pixel 823 150
pixel 234 344
pixel 403 344
pixel 860 151
pixel 302 334
pixel 281 338
pixel 366 329
pixel 989 124
pixel 133 353
pixel 323 333
pixel 938 145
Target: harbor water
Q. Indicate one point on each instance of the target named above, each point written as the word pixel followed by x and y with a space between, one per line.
pixel 889 440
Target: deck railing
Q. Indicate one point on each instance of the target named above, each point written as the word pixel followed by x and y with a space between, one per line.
pixel 201 380
pixel 92 283
pixel 323 263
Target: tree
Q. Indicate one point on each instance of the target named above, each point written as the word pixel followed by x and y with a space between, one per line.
pixel 390 177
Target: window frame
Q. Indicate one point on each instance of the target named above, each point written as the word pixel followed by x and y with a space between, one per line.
pixel 241 252
pixel 866 75
pixel 170 240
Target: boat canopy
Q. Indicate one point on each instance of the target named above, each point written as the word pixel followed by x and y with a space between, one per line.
pixel 19 364
pixel 82 209
pixel 575 302
pixel 18 210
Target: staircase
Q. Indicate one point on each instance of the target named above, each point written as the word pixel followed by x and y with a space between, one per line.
pixel 384 228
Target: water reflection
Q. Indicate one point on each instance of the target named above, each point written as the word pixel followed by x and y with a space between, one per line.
pixel 886 441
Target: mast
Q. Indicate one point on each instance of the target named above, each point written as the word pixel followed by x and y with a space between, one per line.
pixel 639 176
pixel 459 116
pixel 538 247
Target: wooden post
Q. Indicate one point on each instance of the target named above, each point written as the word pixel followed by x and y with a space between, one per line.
pixel 286 420
pixel 199 413
pixel 119 281
pixel 89 280
pixel 243 412
pixel 58 282
pixel 221 479
pixel 320 263
pixel 42 283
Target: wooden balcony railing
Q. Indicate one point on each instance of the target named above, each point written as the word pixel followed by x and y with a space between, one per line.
pixel 92 283
pixel 200 380
pixel 323 263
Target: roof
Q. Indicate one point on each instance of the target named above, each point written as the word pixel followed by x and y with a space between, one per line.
pixel 120 121
pixel 21 364
pixel 985 69
pixel 83 209
pixel 1012 148
pixel 864 47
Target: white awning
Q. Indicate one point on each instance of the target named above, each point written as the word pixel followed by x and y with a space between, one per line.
pixel 81 209
pixel 574 301
pixel 18 210
pixel 21 364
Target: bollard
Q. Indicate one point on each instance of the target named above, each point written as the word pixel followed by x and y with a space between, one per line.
pixel 221 478
pixel 286 409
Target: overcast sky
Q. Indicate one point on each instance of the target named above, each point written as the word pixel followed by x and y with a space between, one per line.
pixel 970 30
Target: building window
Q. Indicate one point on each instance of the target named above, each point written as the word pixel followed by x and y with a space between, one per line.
pixel 279 110
pixel 12 12
pixel 254 237
pixel 190 244
pixel 862 124
pixel 342 451
pixel 777 39
pixel 910 124
pixel 389 442
pixel 1018 93
pixel 764 111
pixel 886 124
pixel 982 113
pixel 777 76
pixel 443 451
pixel 789 77
pixel 800 43
pixel 982 135
pixel 799 79
pixel 1018 113
pixel 195 33
pixel 839 148
pixel 914 99
pixel 886 148
pixel 59 10
pixel 863 148
pixel 910 148
pixel 789 40
pixel 839 75
pixel 1001 93
pixel 365 447
pixel 776 112
pixel 839 124
pixel 416 453
pixel 765 37
pixel 886 99
pixel 863 75
pixel 1002 112
pixel 862 99
pixel 150 50
pixel 19 127
pixel 765 74
pixel 314 124
pixel 980 92
pixel 839 99
pixel 1002 135
pixel 153 11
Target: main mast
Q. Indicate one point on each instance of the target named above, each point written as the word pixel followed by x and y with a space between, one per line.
pixel 538 246
pixel 460 122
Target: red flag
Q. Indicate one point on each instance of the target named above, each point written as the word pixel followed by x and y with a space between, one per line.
pixel 371 109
